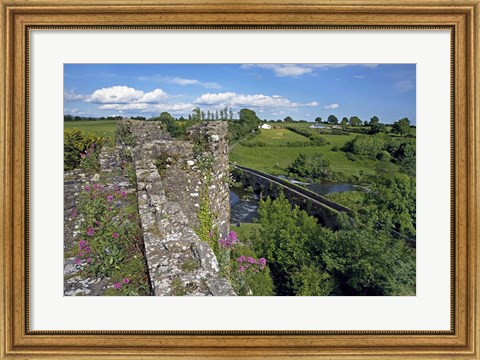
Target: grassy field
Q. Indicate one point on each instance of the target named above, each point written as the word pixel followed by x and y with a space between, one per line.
pixel 275 158
pixel 273 137
pixel 104 128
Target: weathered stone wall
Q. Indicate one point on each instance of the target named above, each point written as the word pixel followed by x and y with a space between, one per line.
pixel 76 281
pixel 172 176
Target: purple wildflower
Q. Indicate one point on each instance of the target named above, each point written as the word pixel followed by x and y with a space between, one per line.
pixel 95 186
pixel 262 262
pixel 89 260
pixel 241 258
pixel 87 188
pixel 78 261
pixel 81 253
pixel 90 231
pixel 82 244
pixel 110 197
pixel 232 235
pixel 242 269
pixel 117 286
pixel 74 213
pixel 88 250
pixel 251 260
pixel 115 235
pixel 126 281
pixel 124 194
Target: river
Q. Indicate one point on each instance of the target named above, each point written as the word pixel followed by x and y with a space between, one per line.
pixel 244 205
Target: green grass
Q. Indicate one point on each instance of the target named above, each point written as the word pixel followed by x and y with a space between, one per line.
pixel 246 231
pixel 103 128
pixel 272 137
pixel 274 158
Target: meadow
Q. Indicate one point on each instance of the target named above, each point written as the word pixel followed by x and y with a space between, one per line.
pixel 103 128
pixel 275 157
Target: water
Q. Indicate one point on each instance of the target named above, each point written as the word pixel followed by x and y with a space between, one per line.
pixel 244 205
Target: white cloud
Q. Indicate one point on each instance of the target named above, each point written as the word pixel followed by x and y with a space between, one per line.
pixel 115 95
pixel 70 96
pixel 331 106
pixel 359 76
pixel 154 96
pixel 403 86
pixel 256 100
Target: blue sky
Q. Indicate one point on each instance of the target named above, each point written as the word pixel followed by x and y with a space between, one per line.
pixel 273 91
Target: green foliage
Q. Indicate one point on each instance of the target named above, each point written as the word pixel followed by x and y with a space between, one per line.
pixel 205 230
pixel 313 167
pixel 312 281
pixel 366 261
pixel 401 127
pixel 176 129
pixel 354 121
pixel 246 125
pixel 123 134
pixel 289 240
pixel 365 145
pixel 392 203
pixel 316 140
pixel 110 239
pixel 78 144
pixel 332 119
pixel 257 283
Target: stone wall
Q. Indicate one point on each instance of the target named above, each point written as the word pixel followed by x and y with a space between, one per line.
pixel 172 177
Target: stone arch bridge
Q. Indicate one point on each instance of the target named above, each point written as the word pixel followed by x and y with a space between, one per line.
pixel 324 210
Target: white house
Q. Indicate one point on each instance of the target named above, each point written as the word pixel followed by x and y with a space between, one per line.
pixel 265 126
pixel 318 126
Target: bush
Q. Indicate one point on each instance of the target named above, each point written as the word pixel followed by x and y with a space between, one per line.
pixel 76 144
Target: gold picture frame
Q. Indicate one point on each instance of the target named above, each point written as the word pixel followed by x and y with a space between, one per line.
pixel 20 16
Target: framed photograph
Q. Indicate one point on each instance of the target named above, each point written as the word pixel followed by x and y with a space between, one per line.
pixel 311 167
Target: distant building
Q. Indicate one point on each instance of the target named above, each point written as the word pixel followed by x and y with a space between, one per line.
pixel 265 126
pixel 318 126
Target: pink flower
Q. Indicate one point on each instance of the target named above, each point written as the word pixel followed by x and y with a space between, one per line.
pixel 90 231
pixel 242 269
pixel 87 188
pixel 115 235
pixel 124 194
pixel 251 260
pixel 89 260
pixel 81 253
pixel 88 249
pixel 110 197
pixel 82 244
pixel 117 286
pixel 126 281
pixel 241 258
pixel 97 222
pixel 232 235
pixel 95 186
pixel 78 261
pixel 262 262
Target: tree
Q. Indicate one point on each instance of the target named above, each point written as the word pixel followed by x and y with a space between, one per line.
pixel 288 119
pixel 374 120
pixel 197 114
pixel 332 119
pixel 401 127
pixel 355 121
pixel 290 241
pixel 318 120
pixel 344 122
pixel 377 128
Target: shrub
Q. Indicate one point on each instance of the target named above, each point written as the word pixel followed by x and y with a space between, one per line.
pixel 77 143
pixel 123 134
